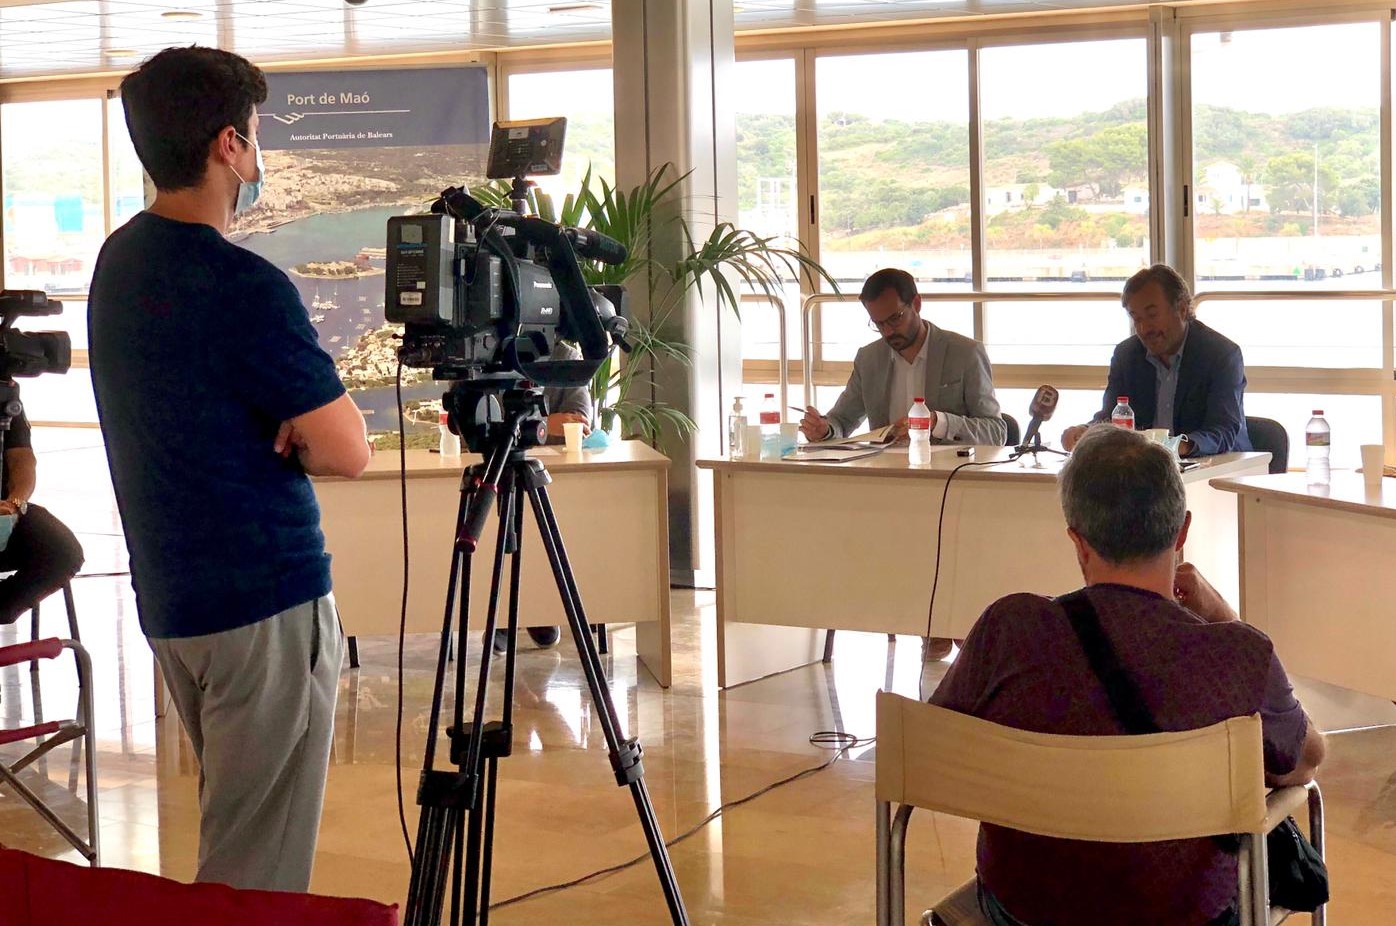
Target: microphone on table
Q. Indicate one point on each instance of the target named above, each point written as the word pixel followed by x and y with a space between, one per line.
pixel 1043 405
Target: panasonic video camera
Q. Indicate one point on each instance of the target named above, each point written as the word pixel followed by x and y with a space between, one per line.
pixel 489 292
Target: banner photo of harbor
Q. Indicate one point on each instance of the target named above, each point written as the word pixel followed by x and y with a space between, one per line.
pixel 323 211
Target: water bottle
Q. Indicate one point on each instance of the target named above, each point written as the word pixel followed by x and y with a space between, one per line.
pixel 736 431
pixel 1123 415
pixel 770 428
pixel 1317 438
pixel 448 444
pixel 918 427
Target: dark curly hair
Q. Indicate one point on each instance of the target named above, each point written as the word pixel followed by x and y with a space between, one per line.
pixel 178 101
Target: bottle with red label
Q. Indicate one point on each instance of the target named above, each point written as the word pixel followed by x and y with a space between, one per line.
pixel 770 427
pixel 448 444
pixel 1123 415
pixel 918 428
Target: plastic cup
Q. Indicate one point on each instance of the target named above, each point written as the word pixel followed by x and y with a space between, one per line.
pixel 1373 458
pixel 789 438
pixel 572 434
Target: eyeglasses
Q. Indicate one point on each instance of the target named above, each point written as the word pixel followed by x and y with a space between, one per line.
pixel 889 323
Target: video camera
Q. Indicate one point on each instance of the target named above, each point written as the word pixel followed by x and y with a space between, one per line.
pixel 30 353
pixel 487 292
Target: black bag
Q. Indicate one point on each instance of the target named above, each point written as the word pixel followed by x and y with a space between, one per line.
pixel 1298 875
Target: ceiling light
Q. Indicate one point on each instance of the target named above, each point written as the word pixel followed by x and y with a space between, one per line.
pixel 122 53
pixel 574 8
pixel 182 14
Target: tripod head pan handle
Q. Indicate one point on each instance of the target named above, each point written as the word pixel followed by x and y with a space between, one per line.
pixel 474 525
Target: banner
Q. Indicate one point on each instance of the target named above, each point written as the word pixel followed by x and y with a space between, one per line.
pixel 414 107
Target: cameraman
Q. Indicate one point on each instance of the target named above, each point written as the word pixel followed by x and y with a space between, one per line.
pixel 567 404
pixel 41 551
pixel 216 401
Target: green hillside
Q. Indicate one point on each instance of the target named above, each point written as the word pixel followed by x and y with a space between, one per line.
pixel 892 176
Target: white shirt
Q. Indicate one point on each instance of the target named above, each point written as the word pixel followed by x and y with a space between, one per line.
pixel 909 382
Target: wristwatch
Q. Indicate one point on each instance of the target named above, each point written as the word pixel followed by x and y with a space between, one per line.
pixel 20 505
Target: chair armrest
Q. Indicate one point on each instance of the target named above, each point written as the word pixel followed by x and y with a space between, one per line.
pixel 1282 803
pixel 27 652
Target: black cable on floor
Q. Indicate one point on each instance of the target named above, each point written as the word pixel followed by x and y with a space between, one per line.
pixel 825 739
pixel 402 619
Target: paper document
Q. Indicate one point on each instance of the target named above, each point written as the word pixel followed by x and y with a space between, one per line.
pixel 879 437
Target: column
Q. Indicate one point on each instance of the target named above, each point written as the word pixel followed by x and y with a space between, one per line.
pixel 674 66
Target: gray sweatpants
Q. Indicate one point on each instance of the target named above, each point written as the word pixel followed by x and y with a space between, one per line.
pixel 258 704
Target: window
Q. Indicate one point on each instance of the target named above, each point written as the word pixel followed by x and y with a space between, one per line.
pixel 894 166
pixel 127 176
pixel 893 183
pixel 587 99
pixel 766 192
pixel 1066 186
pixel 1286 170
pixel 55 213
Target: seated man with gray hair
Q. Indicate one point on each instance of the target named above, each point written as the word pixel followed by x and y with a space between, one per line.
pixel 1192 660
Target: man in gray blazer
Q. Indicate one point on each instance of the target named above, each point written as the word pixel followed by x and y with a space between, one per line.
pixel 913 358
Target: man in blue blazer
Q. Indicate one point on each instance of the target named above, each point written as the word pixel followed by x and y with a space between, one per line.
pixel 1178 373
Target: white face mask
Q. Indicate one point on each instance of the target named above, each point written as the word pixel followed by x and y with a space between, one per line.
pixel 248 190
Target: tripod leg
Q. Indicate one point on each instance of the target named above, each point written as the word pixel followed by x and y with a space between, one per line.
pixel 440 817
pixel 487 857
pixel 481 756
pixel 625 754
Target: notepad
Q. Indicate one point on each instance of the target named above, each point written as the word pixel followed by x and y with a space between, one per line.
pixel 833 453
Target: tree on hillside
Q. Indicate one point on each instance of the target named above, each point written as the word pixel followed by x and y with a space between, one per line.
pixel 1360 197
pixel 1289 183
pixel 1103 161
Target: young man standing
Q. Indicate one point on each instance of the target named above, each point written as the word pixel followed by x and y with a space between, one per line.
pixel 216 401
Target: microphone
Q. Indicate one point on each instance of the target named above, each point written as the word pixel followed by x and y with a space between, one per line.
pixel 595 246
pixel 1044 403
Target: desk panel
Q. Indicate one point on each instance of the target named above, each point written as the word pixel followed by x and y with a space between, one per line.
pixel 612 512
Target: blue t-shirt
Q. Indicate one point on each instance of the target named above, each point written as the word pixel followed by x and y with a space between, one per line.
pixel 199 350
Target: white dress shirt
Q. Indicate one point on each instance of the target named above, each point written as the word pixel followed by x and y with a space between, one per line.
pixel 909 382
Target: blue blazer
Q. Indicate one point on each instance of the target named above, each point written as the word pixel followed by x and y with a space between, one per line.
pixel 1209 404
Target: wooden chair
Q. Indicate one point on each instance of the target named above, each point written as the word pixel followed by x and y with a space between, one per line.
pixel 1193 784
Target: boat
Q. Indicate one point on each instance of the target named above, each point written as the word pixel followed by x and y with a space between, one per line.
pixel 316 319
pixel 336 339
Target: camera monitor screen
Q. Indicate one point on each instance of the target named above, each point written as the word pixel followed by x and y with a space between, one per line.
pixel 526 148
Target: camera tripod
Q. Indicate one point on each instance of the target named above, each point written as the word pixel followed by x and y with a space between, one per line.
pixel 456 826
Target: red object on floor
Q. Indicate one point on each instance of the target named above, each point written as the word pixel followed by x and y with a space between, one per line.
pixel 37 891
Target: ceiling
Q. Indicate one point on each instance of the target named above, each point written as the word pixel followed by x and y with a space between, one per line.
pixel 77 36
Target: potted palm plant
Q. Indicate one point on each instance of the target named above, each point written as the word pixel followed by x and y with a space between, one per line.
pixel 633 217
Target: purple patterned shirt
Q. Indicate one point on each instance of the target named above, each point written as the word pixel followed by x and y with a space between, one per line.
pixel 1022 666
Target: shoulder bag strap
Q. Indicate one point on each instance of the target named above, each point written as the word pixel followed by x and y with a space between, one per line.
pixel 1125 698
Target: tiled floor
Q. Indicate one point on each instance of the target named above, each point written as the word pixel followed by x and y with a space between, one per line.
pixel 802 854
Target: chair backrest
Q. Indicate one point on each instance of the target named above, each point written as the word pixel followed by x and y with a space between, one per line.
pixel 1269 434
pixel 1206 782
pixel 1014 434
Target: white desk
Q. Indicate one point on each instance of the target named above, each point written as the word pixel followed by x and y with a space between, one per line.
pixel 807 546
pixel 611 508
pixel 1319 575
